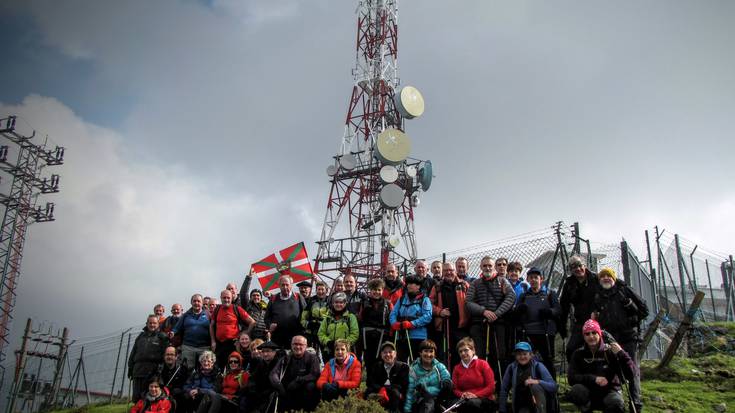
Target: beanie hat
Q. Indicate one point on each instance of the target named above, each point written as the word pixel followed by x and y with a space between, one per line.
pixel 608 272
pixel 254 291
pixel 592 325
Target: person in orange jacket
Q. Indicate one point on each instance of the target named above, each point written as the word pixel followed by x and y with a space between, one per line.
pixel 341 373
pixel 155 400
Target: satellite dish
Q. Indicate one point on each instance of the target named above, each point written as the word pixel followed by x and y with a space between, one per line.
pixel 388 174
pixel 394 240
pixel 425 176
pixel 348 161
pixel 409 102
pixel 331 170
pixel 392 146
pixel 411 171
pixel 391 196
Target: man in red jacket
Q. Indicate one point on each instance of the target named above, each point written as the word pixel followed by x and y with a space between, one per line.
pixel 224 329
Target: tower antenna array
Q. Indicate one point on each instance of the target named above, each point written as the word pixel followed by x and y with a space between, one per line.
pixel 375 186
pixel 21 210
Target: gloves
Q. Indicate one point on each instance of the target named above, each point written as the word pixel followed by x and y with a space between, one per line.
pixel 396 326
pixel 545 313
pixel 279 388
pixel 406 325
pixel 447 386
pixel 521 308
pixel 383 396
pixel 330 387
pixel 421 389
pixel 293 386
pixel 609 339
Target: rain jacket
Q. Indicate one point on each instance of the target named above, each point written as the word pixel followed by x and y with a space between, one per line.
pixel 417 311
pixel 333 329
pixel 430 379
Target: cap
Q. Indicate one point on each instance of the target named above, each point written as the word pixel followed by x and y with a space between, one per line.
pixel 255 291
pixel 269 345
pixel 389 344
pixel 304 284
pixel 535 270
pixel 522 346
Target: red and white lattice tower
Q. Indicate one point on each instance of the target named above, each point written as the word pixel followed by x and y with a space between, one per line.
pixel 375 185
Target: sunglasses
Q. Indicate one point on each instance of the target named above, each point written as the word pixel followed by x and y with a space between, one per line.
pixel 234 361
pixel 591 333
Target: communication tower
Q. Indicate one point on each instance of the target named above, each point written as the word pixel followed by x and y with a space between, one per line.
pixel 21 210
pixel 375 185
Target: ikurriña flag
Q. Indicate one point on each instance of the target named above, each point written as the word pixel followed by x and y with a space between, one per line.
pixel 292 261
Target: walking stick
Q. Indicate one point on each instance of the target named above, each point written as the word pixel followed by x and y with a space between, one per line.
pixel 380 342
pixel 447 350
pixel 497 355
pixel 410 350
pixel 455 405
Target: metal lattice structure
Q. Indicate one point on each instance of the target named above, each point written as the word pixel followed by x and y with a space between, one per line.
pixel 360 234
pixel 21 209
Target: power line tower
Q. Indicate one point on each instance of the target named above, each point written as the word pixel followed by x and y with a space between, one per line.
pixel 375 185
pixel 21 210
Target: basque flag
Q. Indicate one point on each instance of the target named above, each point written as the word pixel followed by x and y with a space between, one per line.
pixel 291 261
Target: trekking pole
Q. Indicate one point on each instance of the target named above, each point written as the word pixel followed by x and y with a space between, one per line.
pixel 380 342
pixel 497 355
pixel 455 405
pixel 487 340
pixel 364 346
pixel 446 337
pixel 410 350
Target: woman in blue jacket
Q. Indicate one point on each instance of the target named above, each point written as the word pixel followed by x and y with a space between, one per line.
pixel 532 387
pixel 429 382
pixel 409 318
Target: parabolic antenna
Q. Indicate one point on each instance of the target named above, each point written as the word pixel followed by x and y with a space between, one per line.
pixel 425 176
pixel 409 102
pixel 348 161
pixel 394 240
pixel 411 171
pixel 391 196
pixel 331 170
pixel 392 146
pixel 388 174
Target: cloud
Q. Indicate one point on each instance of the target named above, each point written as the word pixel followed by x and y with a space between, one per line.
pixel 131 234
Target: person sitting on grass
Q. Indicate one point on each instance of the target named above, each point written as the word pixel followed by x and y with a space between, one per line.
pixel 530 383
pixel 429 382
pixel 341 373
pixel 474 382
pixel 154 401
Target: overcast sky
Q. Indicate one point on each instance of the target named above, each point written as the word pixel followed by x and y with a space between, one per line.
pixel 198 132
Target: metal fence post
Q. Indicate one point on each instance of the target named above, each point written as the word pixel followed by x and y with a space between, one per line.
pixel 711 293
pixel 680 266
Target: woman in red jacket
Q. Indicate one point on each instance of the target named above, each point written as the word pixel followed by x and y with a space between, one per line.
pixel 155 401
pixel 340 374
pixel 474 382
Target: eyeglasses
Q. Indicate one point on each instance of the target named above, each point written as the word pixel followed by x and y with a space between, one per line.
pixel 591 333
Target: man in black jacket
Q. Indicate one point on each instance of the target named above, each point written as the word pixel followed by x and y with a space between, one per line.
pixel 294 378
pixel 173 376
pixel 619 310
pixel 283 316
pixel 146 355
pixel 387 380
pixel 537 311
pixel 577 294
pixel 490 299
pixel 260 394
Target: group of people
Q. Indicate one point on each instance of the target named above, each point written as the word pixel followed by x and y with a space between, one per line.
pixel 435 340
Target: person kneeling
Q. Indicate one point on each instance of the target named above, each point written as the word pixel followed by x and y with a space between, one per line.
pixel 387 379
pixel 529 381
pixel 596 371
pixel 154 401
pixel 429 382
pixel 341 373
pixel 474 382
